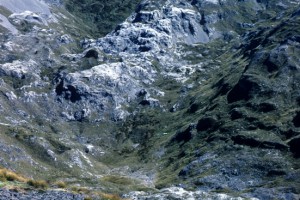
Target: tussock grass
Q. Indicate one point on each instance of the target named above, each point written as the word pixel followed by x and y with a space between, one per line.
pixel 8 175
pixel 106 196
pixel 117 180
pixel 95 194
pixel 60 184
pixel 80 190
pixel 38 183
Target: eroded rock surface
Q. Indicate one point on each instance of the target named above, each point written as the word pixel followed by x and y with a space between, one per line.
pixel 202 95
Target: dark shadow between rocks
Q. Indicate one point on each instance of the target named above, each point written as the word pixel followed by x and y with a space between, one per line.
pixel 296 120
pixel 242 90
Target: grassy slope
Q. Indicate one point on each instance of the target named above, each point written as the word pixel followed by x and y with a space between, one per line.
pixel 155 129
pixel 101 16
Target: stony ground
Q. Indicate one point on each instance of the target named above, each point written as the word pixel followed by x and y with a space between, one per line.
pixel 6 194
pixel 201 94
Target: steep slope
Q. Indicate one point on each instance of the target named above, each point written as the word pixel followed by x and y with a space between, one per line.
pixel 246 125
pixel 195 94
pixel 101 16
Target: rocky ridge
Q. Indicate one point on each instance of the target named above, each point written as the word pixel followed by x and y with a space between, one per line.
pixel 221 69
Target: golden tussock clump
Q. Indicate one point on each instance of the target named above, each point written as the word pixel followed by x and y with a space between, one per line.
pixel 110 196
pixel 60 184
pixel 38 183
pixel 8 175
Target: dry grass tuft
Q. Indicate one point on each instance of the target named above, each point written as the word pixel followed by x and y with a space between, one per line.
pixel 60 184
pixel 8 175
pixel 80 190
pixel 120 180
pixel 110 196
pixel 38 183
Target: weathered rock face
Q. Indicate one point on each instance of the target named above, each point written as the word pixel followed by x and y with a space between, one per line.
pixel 264 88
pixel 198 94
pixel 179 193
pixel 148 36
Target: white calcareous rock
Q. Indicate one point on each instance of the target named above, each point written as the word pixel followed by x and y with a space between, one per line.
pixel 181 194
pixel 19 69
pixel 18 19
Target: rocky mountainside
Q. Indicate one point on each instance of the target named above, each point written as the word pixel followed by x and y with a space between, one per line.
pixel 156 99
